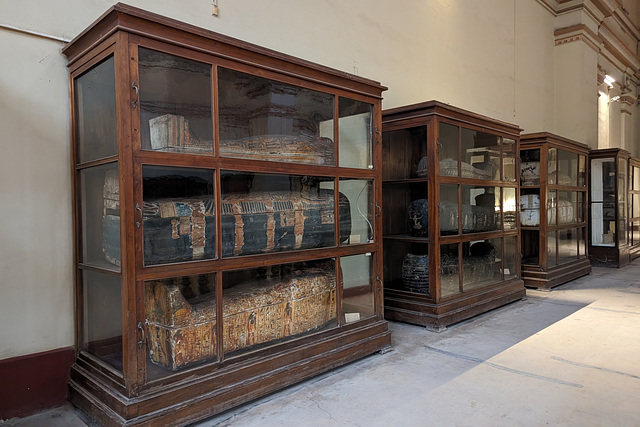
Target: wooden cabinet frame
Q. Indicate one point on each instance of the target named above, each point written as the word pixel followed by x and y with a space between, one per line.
pixel 124 393
pixel 540 271
pixel 614 253
pixel 435 308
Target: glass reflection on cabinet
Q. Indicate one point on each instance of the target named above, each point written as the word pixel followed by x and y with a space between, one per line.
pixel 509 208
pixel 96 122
pixel 481 263
pixel 511 257
pixel 508 160
pixel 480 155
pixel 449 270
pixel 100 216
pixel 448 151
pixel 175 103
pixel 102 317
pixel 603 204
pixel 265 305
pixel 355 133
pixel 359 193
pixel 552 166
pixel 567 173
pixel 567 245
pixel 448 208
pixel 178 214
pixel 265 119
pixel 480 209
pixel 264 213
pixel 530 167
pixel 357 287
pixel 552 249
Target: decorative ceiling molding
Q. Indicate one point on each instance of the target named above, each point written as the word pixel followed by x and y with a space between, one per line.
pixel 578 33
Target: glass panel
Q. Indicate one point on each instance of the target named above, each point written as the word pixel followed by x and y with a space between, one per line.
pixel 508 160
pixel 511 257
pixel 603 224
pixel 175 103
pixel 551 249
pixel 529 167
pixel 551 166
pixel 264 213
pixel 448 208
pixel 266 305
pixel 480 155
pixel 404 153
pixel 102 317
pixel 567 168
pixel 582 242
pixel 603 184
pixel 480 209
pixel 449 270
pixel 581 206
pixel 552 208
pixel 359 194
pixel 582 171
pixel 635 232
pixel 448 154
pixel 406 209
pixel 623 225
pixel 357 287
pixel 95 103
pixel 178 214
pixel 413 276
pixel 567 205
pixel 354 128
pixel 481 263
pixel 180 315
pixel 635 205
pixel 636 178
pixel 530 208
pixel 265 119
pixel 567 245
pixel 509 208
pixel 530 247
pixel 100 214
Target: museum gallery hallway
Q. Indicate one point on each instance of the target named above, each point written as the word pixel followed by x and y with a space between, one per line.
pixel 566 357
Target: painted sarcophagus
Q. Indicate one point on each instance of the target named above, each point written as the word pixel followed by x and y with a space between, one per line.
pixel 181 332
pixel 183 229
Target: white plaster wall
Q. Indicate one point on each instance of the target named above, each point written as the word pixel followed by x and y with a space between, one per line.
pixel 494 57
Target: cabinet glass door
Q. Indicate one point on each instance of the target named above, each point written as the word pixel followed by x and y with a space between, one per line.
pixel 603 202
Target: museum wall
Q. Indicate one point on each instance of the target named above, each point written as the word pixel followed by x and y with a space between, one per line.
pixel 494 57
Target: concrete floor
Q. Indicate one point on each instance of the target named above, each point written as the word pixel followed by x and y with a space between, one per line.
pixel 567 357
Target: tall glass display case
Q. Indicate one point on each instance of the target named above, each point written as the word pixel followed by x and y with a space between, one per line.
pixel 553 216
pixel 227 218
pixel 608 204
pixel 634 208
pixel 451 241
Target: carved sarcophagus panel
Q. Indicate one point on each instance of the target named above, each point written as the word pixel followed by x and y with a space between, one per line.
pixel 183 229
pixel 181 332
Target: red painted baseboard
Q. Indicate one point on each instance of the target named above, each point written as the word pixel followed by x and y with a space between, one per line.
pixel 34 382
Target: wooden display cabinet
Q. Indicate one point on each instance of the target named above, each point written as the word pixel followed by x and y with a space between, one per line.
pixel 634 208
pixel 553 174
pixel 608 204
pixel 451 241
pixel 226 208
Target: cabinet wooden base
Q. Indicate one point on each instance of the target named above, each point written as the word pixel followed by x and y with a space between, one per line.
pixel 203 396
pixel 420 310
pixel 536 278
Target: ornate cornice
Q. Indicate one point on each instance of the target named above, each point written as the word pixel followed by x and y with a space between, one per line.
pixel 578 33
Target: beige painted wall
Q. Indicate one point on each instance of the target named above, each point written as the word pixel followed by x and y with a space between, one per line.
pixel 495 57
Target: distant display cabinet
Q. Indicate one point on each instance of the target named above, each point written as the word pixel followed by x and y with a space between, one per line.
pixel 227 216
pixel 634 208
pixel 609 192
pixel 553 175
pixel 451 248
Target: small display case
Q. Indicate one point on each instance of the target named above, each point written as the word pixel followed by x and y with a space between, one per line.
pixel 227 215
pixel 553 217
pixel 451 240
pixel 608 204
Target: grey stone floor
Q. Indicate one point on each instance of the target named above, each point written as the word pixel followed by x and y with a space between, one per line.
pixel 568 357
